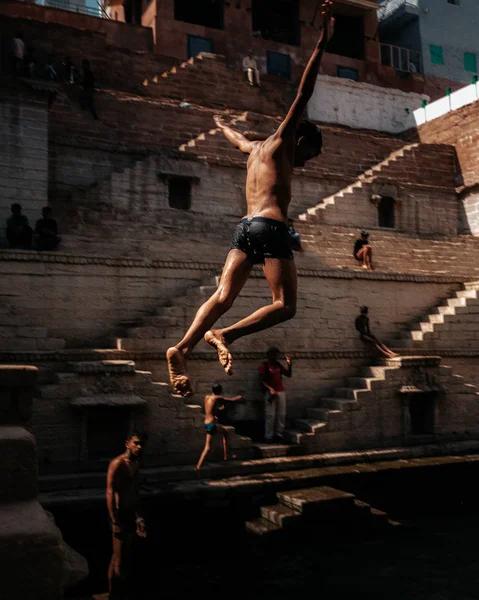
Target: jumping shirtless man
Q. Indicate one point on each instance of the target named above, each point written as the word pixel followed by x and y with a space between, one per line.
pixel 213 403
pixel 262 236
pixel 122 499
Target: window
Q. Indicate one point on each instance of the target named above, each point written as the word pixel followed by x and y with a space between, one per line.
pixel 348 38
pixel 107 429
pixel 437 57
pixel 198 44
pixel 455 2
pixel 386 212
pixel 179 193
pixel 279 64
pixel 470 62
pixel 277 20
pixel 347 73
pixel 208 13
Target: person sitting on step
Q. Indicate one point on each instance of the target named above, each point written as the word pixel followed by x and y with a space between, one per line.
pixel 19 233
pixel 362 325
pixel 363 252
pixel 46 231
pixel 213 403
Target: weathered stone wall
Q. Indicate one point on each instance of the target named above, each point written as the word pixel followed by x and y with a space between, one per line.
pixel 460 128
pixel 123 291
pixel 23 155
pixel 116 33
pixel 466 366
pixel 336 100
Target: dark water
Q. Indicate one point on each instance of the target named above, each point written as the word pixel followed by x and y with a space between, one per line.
pixel 434 556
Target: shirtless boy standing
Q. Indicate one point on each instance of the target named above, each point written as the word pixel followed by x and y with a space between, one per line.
pixel 122 499
pixel 262 235
pixel 213 403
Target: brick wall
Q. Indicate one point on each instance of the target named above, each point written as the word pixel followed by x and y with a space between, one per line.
pixel 23 155
pixel 461 129
pixel 117 33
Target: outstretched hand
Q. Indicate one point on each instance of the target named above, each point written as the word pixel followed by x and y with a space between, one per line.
pixel 327 21
pixel 219 121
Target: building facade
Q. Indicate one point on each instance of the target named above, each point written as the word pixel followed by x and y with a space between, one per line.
pixel 441 35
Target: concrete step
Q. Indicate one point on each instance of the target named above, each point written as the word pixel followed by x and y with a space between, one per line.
pixel 280 514
pixel 273 450
pixel 348 392
pixel 161 321
pixel 309 425
pixel 262 527
pixel 360 383
pixel 316 499
pixel 345 404
pixel 102 366
pixel 466 294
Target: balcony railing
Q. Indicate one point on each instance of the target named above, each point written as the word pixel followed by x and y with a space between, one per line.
pixel 401 59
pixel 77 7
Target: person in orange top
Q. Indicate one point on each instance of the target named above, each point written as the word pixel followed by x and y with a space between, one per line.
pixel 271 375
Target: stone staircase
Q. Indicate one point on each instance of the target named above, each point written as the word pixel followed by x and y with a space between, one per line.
pixel 66 391
pixel 16 333
pixel 319 507
pixel 455 320
pixel 420 164
pixel 354 415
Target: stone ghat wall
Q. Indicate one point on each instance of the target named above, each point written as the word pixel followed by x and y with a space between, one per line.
pixel 23 156
pixel 83 300
pixel 466 366
pixel 115 32
pixel 461 129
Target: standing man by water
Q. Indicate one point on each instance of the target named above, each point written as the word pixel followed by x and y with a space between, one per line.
pixel 271 375
pixel 123 502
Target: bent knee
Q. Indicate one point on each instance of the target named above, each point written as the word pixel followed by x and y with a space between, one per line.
pixel 288 309
pixel 224 298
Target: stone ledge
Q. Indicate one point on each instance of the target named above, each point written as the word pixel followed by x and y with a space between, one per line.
pixel 344 273
pixel 282 472
pixel 17 375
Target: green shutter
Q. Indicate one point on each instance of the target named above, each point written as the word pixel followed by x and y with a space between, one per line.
pixel 470 63
pixel 437 57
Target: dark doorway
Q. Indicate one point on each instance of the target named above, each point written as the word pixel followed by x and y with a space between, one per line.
pixel 348 38
pixel 198 44
pixel 133 11
pixel 208 13
pixel 107 429
pixel 421 410
pixel 179 193
pixel 386 215
pixel 277 20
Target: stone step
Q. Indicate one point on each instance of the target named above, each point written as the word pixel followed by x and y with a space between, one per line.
pixel 273 450
pixel 310 425
pixel 18 470
pixel 467 294
pixel 360 383
pixel 102 366
pixel 280 514
pixel 347 392
pixel 109 400
pixel 377 372
pixel 161 321
pixel 345 404
pixel 316 499
pixel 294 436
pixel 262 527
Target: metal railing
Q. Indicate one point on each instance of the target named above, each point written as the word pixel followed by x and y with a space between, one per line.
pixel 78 7
pixel 388 7
pixel 401 59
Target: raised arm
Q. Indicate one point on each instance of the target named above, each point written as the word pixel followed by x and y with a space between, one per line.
pixel 308 80
pixel 232 399
pixel 235 137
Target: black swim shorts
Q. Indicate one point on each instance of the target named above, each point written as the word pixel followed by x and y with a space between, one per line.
pixel 126 519
pixel 261 238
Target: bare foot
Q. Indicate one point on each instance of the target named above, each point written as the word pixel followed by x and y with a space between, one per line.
pixel 178 376
pixel 393 355
pixel 364 267
pixel 214 338
pixel 229 457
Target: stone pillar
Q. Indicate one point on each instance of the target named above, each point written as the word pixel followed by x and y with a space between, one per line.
pixel 32 552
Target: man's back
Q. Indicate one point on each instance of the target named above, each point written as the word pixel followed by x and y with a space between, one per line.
pixel 268 179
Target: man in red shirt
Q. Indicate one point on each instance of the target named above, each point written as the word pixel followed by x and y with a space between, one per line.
pixel 271 374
